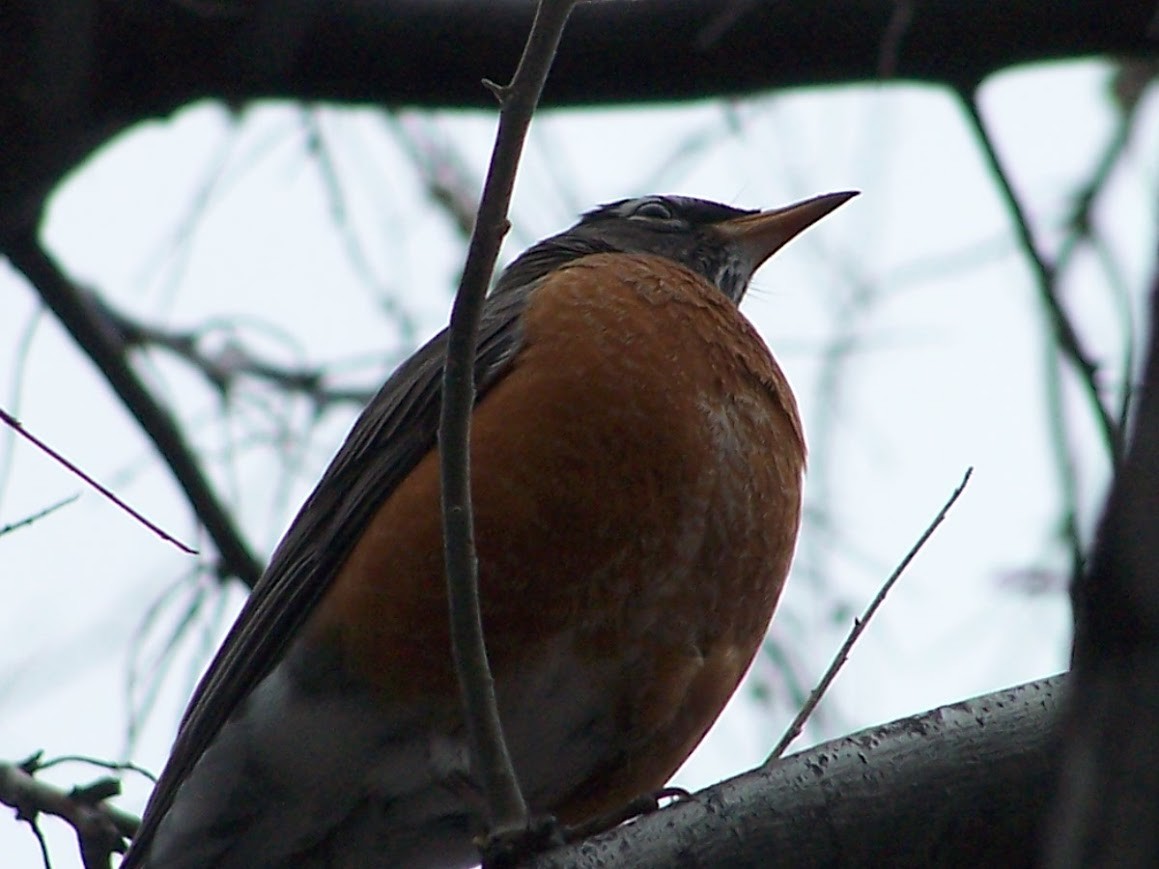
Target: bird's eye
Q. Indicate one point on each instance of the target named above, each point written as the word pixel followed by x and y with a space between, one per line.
pixel 656 209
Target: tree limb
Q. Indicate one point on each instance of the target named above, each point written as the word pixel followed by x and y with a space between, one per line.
pixel 83 70
pixel 101 829
pixel 961 786
pixel 1107 807
pixel 491 762
pixel 100 340
pixel 964 785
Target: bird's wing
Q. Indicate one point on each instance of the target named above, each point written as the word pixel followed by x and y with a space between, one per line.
pixel 394 432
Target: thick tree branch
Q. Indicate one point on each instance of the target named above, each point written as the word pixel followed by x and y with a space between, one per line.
pixel 964 785
pixel 961 786
pixel 1107 809
pixel 81 70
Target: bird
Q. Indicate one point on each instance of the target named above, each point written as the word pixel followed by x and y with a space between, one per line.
pixel 637 463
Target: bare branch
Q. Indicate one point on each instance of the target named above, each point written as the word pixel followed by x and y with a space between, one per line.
pixel 15 424
pixel 1069 343
pixel 859 626
pixel 1107 805
pixel 39 514
pixel 110 765
pixel 506 807
pixel 356 253
pixel 960 786
pixel 225 368
pixel 105 346
pixel 426 54
pixel 101 829
pixel 448 183
pixel 1128 86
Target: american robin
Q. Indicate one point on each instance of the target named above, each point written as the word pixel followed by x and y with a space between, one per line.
pixel 636 472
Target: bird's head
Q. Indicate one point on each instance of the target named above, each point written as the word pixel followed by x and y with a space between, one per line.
pixel 724 244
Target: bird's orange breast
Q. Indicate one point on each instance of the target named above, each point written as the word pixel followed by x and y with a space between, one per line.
pixel 636 479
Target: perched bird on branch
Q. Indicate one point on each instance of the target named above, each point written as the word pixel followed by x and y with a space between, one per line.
pixel 636 460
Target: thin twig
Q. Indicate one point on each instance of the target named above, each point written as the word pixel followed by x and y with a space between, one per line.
pixel 15 424
pixel 1066 342
pixel 446 179
pixel 99 340
pixel 1130 84
pixel 506 807
pixel 146 676
pixel 38 834
pixel 110 765
pixel 859 626
pixel 39 514
pixel 356 253
pixel 22 352
pixel 1046 274
pixel 1080 231
pixel 224 368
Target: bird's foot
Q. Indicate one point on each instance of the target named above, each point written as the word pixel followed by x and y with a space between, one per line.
pixel 644 804
pixel 512 847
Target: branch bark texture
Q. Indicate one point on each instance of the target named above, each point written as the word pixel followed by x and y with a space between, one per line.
pixel 1107 811
pixel 491 761
pixel 965 785
pixel 79 71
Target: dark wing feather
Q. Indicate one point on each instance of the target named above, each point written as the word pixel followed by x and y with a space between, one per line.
pixel 394 432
